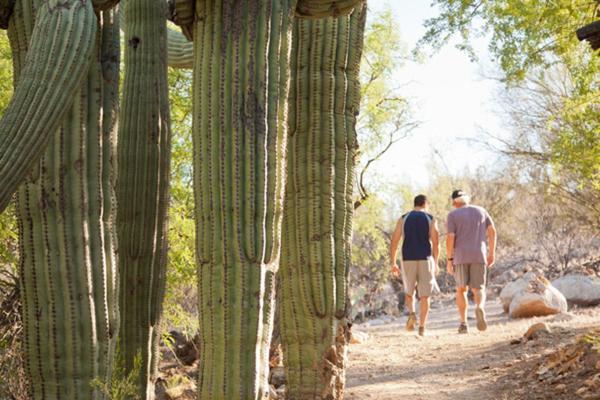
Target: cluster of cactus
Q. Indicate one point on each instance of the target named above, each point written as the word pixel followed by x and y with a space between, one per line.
pixel 324 101
pixel 143 187
pixel 57 147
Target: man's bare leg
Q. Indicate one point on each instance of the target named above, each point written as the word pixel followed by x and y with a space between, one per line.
pixel 461 303
pixel 479 297
pixel 423 311
pixel 480 311
pixel 409 301
pixel 412 318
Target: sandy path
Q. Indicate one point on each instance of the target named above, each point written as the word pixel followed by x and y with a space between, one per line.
pixel 394 364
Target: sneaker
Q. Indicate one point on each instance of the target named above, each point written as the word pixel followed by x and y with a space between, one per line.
pixel 481 322
pixel 463 328
pixel 421 331
pixel 411 322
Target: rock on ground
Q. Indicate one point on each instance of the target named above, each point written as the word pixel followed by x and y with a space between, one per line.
pixel 536 330
pixel 579 290
pixel 513 288
pixel 537 298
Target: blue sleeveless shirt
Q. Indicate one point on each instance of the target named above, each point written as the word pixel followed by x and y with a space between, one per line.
pixel 415 226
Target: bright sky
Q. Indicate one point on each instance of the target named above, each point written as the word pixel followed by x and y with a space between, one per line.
pixel 451 97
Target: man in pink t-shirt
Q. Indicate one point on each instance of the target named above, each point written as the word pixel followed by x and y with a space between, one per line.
pixel 470 231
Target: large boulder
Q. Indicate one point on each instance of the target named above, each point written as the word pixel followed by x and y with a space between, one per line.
pixel 537 299
pixel 513 288
pixel 579 290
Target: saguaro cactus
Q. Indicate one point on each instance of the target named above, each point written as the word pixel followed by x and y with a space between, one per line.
pixel 143 186
pixel 65 205
pixel 240 92
pixel 324 101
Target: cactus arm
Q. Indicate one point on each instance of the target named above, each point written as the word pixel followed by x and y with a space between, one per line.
pixel 143 186
pixel 325 8
pixel 180 51
pixel 58 58
pixel 318 203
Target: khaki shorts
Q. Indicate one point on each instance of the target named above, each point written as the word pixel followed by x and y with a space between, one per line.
pixel 471 275
pixel 418 274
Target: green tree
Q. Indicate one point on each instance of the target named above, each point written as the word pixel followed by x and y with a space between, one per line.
pixel 554 81
pixel 181 294
pixel 385 114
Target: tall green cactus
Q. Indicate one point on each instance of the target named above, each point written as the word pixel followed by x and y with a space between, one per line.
pixel 143 186
pixel 240 89
pixel 65 210
pixel 324 102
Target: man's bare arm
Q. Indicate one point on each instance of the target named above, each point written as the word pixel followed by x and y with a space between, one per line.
pixel 396 237
pixel 450 252
pixel 491 236
pixel 435 241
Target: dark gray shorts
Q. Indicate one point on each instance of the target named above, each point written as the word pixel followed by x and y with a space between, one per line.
pixel 471 275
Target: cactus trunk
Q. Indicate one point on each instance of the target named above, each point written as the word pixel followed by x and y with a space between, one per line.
pixel 143 187
pixel 240 92
pixel 324 101
pixel 65 206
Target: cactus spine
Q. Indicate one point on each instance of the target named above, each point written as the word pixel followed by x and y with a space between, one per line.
pixel 143 186
pixel 241 53
pixel 64 207
pixel 324 101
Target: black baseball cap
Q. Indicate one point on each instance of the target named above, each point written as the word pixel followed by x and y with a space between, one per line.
pixel 458 193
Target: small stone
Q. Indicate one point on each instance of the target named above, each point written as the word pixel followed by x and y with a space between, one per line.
pixel 536 330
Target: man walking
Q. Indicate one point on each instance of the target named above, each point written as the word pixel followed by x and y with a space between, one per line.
pixel 469 228
pixel 420 250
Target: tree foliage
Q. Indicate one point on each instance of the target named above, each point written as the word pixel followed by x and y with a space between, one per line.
pixel 524 33
pixel 553 82
pixel 385 113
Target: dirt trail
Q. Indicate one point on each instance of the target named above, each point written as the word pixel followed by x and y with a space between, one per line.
pixel 394 364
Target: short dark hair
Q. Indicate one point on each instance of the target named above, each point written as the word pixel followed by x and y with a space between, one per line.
pixel 420 200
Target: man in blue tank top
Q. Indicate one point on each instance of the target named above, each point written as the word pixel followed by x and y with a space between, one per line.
pixel 420 250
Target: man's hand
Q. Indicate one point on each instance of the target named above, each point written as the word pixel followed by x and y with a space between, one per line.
pixel 436 267
pixel 491 259
pixel 395 270
pixel 450 267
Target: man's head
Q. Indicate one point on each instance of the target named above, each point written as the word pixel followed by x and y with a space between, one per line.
pixel 421 201
pixel 460 198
